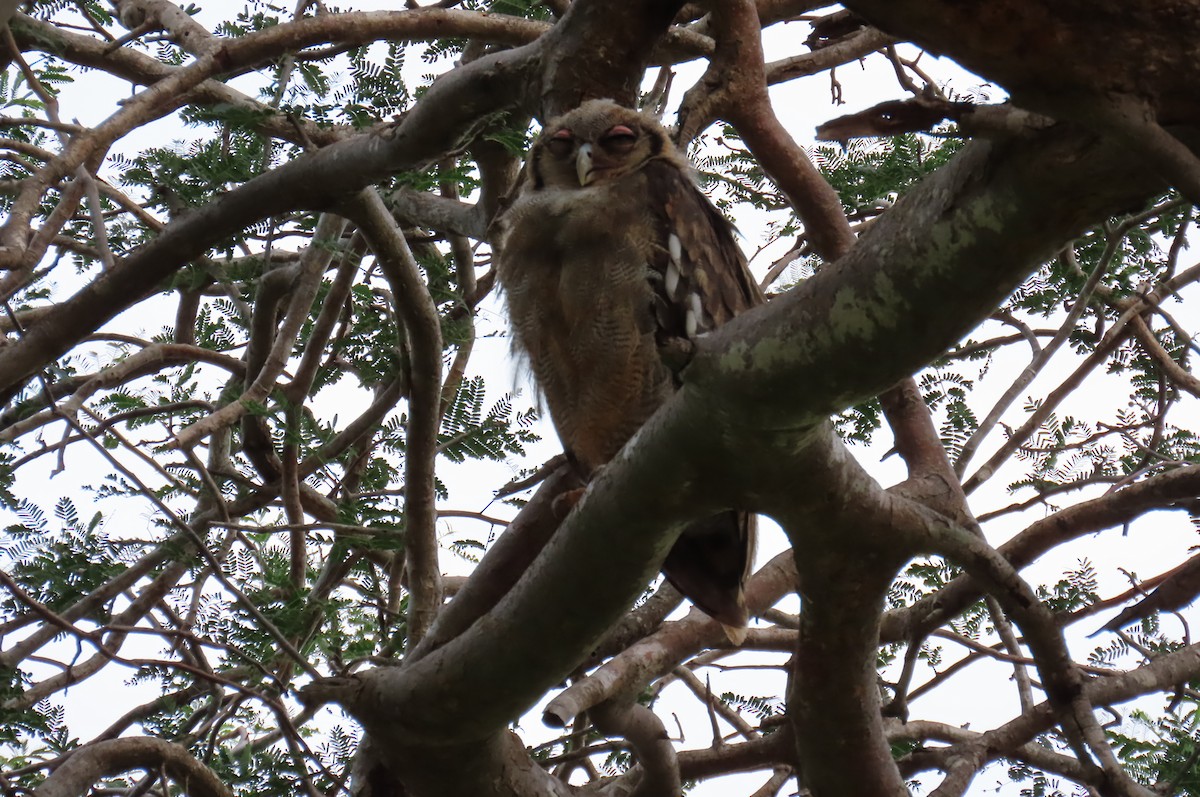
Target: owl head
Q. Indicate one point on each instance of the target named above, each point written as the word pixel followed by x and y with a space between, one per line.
pixel 596 143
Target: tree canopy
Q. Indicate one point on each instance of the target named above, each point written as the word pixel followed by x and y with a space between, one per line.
pixel 251 345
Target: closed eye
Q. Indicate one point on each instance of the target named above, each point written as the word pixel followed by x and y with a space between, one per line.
pixel 561 143
pixel 619 139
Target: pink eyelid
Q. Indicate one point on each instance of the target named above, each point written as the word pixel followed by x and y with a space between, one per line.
pixel 619 130
pixel 562 135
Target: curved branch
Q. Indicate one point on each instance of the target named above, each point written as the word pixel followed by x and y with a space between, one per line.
pixel 735 88
pixel 99 760
pixel 646 733
pixel 501 567
pixel 415 308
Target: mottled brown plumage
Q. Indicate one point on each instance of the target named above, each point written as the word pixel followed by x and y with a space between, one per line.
pixel 608 253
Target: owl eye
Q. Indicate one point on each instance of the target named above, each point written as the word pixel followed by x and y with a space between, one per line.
pixel 619 139
pixel 561 143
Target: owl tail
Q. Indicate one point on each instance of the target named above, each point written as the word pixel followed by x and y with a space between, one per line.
pixel 709 564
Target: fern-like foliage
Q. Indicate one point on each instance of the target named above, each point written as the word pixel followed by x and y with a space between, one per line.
pixel 469 432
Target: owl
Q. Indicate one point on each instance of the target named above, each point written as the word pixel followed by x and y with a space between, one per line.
pixel 609 256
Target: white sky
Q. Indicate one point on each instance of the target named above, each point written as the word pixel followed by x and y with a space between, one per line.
pixel 973 697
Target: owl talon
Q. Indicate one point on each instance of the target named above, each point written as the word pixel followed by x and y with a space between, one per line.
pixel 565 502
pixel 676 353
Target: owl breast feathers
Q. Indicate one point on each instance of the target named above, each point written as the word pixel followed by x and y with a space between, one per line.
pixel 608 253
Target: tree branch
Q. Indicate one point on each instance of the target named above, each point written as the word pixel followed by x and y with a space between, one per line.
pixel 92 762
pixel 422 328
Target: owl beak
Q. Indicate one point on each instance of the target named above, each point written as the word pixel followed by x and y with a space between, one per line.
pixel 583 164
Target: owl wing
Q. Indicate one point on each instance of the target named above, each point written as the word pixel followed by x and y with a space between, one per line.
pixel 700 279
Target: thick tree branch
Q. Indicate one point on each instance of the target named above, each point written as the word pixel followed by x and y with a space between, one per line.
pixel 776 748
pixel 846 558
pixel 860 313
pixel 646 732
pixel 93 762
pixel 758 370
pixel 503 565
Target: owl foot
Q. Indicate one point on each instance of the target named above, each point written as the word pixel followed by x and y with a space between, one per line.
pixel 676 353
pixel 565 502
